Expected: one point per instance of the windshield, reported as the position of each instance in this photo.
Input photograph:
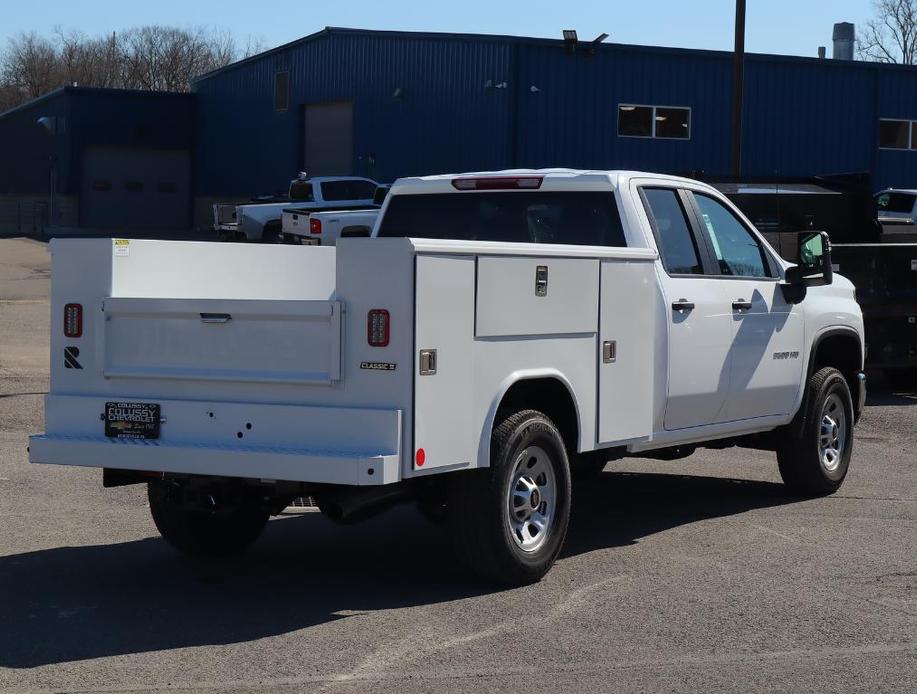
(301, 191)
(581, 218)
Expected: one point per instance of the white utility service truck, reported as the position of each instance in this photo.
(498, 332)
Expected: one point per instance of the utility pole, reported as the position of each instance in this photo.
(738, 88)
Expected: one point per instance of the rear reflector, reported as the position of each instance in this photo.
(503, 183)
(377, 328)
(315, 226)
(73, 320)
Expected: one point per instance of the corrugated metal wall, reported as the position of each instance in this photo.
(801, 116)
(86, 117)
(445, 119)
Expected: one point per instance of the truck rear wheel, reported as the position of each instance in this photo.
(272, 233)
(224, 529)
(814, 452)
(508, 522)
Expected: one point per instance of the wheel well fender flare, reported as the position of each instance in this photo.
(501, 391)
(822, 335)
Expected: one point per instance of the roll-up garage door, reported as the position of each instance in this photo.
(135, 188)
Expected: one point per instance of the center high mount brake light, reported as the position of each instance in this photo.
(501, 183)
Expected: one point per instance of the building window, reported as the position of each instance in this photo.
(894, 134)
(133, 187)
(664, 122)
(101, 185)
(281, 91)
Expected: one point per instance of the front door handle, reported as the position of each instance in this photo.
(741, 305)
(682, 305)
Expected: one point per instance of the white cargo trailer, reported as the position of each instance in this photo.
(498, 331)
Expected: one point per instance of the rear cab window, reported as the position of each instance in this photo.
(333, 191)
(589, 218)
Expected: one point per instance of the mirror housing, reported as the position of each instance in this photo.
(814, 268)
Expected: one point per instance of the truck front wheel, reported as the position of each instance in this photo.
(814, 451)
(508, 522)
(214, 526)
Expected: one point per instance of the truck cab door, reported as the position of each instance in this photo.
(767, 332)
(697, 313)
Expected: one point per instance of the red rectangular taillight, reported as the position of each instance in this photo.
(377, 328)
(73, 320)
(315, 226)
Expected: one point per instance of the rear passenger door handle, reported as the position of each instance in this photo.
(683, 305)
(741, 305)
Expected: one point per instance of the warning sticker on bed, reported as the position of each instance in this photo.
(122, 246)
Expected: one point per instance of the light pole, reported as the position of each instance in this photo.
(49, 123)
(737, 88)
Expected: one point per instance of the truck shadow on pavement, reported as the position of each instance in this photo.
(74, 603)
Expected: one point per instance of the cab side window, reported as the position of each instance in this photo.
(738, 253)
(673, 234)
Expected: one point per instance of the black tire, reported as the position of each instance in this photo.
(803, 466)
(272, 233)
(201, 533)
(478, 512)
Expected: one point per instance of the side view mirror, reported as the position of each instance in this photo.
(814, 268)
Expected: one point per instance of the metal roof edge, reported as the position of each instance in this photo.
(78, 91)
(33, 101)
(543, 41)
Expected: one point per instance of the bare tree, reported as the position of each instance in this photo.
(891, 35)
(30, 63)
(154, 57)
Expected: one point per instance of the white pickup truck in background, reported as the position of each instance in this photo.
(324, 228)
(262, 221)
(499, 332)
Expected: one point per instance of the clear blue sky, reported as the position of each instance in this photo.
(795, 27)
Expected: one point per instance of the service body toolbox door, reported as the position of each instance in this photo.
(626, 349)
(443, 362)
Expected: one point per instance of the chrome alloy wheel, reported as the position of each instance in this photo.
(832, 433)
(531, 499)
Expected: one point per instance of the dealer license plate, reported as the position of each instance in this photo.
(132, 420)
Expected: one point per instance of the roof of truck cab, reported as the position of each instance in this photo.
(567, 178)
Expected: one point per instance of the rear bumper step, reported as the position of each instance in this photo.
(225, 461)
(299, 443)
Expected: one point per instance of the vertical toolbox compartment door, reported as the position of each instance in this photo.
(444, 324)
(626, 350)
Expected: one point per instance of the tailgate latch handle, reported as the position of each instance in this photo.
(215, 318)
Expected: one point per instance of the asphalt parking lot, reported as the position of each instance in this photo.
(698, 576)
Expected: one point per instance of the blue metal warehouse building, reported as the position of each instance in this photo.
(390, 104)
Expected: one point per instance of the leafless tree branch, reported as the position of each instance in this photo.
(159, 58)
(891, 35)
